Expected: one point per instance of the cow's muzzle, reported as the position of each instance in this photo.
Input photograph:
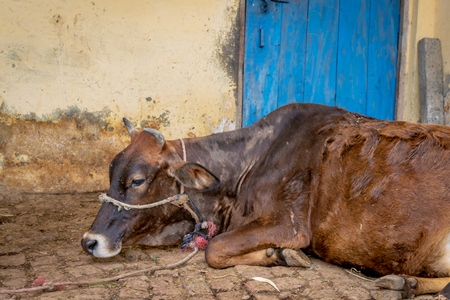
(100, 246)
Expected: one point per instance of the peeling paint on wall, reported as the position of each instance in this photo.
(67, 155)
(70, 71)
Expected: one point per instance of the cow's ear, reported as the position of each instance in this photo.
(193, 175)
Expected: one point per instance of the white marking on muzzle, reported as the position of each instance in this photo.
(103, 248)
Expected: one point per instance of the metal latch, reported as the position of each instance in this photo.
(265, 5)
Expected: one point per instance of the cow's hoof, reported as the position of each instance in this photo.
(270, 252)
(295, 258)
(407, 285)
(391, 282)
(445, 293)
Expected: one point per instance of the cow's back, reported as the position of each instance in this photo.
(383, 192)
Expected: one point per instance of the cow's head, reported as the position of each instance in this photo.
(147, 171)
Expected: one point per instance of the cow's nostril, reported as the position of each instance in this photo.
(89, 246)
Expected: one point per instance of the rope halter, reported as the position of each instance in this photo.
(191, 240)
(179, 199)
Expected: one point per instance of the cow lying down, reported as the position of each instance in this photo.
(351, 190)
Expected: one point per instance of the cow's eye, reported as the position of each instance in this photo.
(137, 182)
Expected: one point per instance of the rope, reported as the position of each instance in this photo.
(183, 147)
(51, 286)
(180, 199)
(193, 214)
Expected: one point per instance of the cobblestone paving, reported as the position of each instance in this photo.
(40, 237)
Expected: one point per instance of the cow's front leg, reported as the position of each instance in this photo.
(257, 246)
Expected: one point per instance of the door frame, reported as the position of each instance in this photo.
(405, 35)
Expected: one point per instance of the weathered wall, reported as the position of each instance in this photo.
(442, 30)
(70, 70)
(422, 19)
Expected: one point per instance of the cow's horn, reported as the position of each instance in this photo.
(130, 128)
(158, 136)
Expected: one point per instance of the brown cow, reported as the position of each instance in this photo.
(352, 190)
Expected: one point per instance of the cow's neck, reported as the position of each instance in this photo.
(238, 157)
(229, 156)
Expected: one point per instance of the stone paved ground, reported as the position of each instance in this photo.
(40, 237)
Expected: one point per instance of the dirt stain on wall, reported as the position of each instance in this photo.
(228, 46)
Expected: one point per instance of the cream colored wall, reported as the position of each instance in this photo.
(442, 30)
(422, 18)
(70, 70)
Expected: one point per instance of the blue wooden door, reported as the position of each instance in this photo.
(341, 53)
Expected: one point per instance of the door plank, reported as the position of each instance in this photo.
(321, 49)
(352, 55)
(261, 59)
(292, 54)
(382, 61)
